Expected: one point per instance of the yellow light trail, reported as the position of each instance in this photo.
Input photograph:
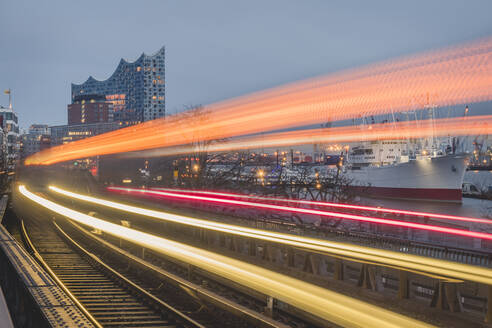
(409, 262)
(333, 307)
(457, 75)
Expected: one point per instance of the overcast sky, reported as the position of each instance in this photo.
(214, 49)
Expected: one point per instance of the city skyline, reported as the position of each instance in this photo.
(246, 164)
(213, 44)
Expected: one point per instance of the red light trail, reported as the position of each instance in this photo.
(458, 232)
(336, 205)
(414, 263)
(321, 303)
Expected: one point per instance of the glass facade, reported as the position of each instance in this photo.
(137, 89)
(10, 127)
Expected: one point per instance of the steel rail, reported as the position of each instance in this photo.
(32, 249)
(257, 319)
(126, 280)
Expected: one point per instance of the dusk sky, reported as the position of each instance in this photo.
(214, 49)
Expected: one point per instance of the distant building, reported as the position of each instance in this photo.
(3, 151)
(44, 142)
(39, 129)
(58, 133)
(10, 127)
(38, 138)
(29, 144)
(136, 89)
(62, 134)
(87, 109)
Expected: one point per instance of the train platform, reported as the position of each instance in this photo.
(34, 298)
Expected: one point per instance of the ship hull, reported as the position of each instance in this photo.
(431, 179)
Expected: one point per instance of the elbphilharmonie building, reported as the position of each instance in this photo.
(136, 89)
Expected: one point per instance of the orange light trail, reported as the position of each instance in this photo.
(479, 125)
(457, 75)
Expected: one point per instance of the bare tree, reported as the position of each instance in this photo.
(192, 168)
(245, 171)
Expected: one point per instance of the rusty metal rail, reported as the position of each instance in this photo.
(104, 295)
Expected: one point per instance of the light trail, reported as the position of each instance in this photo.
(329, 204)
(403, 261)
(405, 224)
(333, 307)
(478, 125)
(462, 74)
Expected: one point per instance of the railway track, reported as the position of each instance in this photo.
(214, 302)
(108, 298)
(189, 276)
(115, 288)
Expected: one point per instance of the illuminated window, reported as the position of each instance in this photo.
(139, 68)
